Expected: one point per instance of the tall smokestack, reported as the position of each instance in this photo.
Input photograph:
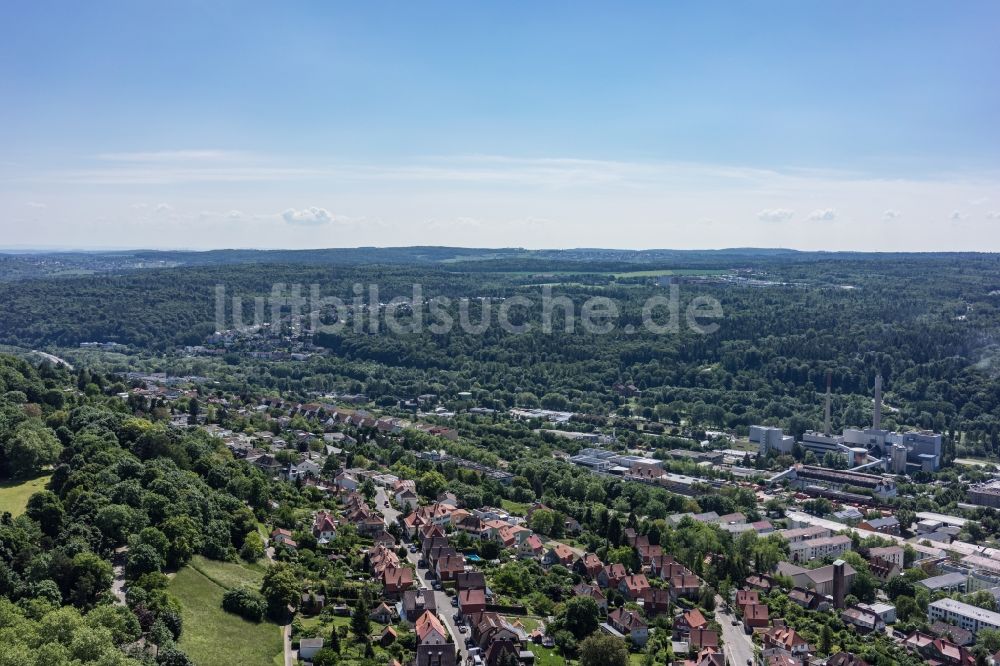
(877, 415)
(826, 421)
(839, 587)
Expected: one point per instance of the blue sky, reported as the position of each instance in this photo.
(811, 125)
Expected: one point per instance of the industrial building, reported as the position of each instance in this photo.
(901, 452)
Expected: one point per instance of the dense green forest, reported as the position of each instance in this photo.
(927, 323)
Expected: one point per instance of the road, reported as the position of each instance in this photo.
(738, 646)
(445, 609)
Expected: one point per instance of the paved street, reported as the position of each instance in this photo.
(738, 646)
(445, 609)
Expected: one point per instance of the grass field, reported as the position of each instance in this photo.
(546, 656)
(213, 636)
(14, 495)
(516, 508)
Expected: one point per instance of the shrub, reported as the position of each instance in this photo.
(245, 602)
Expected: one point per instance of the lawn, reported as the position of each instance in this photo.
(14, 495)
(515, 508)
(211, 635)
(546, 656)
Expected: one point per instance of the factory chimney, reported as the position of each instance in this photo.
(826, 421)
(877, 415)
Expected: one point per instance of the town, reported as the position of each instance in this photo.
(816, 556)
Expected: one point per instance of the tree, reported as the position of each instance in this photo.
(32, 447)
(542, 521)
(245, 602)
(45, 508)
(989, 639)
(430, 484)
(326, 657)
(603, 650)
(580, 616)
(280, 588)
(826, 639)
(142, 559)
(565, 643)
(253, 547)
(91, 577)
(334, 639)
(360, 624)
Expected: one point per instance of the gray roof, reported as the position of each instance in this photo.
(944, 581)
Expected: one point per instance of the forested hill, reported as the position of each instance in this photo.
(30, 265)
(110, 479)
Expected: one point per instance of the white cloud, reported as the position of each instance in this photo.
(164, 208)
(890, 214)
(775, 214)
(823, 215)
(235, 215)
(956, 215)
(993, 215)
(36, 204)
(312, 215)
(170, 156)
(978, 201)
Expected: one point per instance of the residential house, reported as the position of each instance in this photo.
(689, 621)
(894, 554)
(397, 580)
(558, 554)
(883, 569)
(633, 586)
(630, 624)
(415, 602)
(756, 616)
(808, 599)
(383, 614)
(592, 591)
(471, 601)
(430, 631)
(655, 601)
(687, 586)
(956, 635)
(706, 657)
(531, 548)
(784, 640)
(406, 499)
(450, 566)
(813, 549)
(862, 619)
(888, 525)
(308, 647)
(761, 583)
(746, 597)
(611, 575)
(470, 580)
(588, 566)
(846, 659)
(345, 482)
(939, 650)
(648, 552)
(701, 638)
